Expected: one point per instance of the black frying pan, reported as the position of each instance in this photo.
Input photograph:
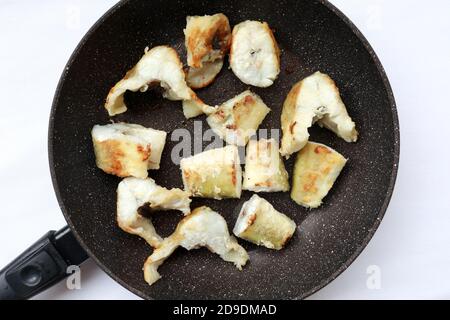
(313, 35)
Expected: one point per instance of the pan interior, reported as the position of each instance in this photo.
(311, 37)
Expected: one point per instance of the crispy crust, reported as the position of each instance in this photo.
(200, 33)
(260, 223)
(237, 119)
(127, 149)
(109, 157)
(213, 173)
(288, 120)
(316, 169)
(122, 159)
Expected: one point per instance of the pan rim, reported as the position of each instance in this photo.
(344, 265)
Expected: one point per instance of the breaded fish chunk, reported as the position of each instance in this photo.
(260, 223)
(314, 99)
(207, 41)
(254, 54)
(214, 173)
(125, 149)
(202, 228)
(133, 193)
(264, 167)
(237, 119)
(316, 169)
(159, 65)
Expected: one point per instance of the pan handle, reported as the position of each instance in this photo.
(42, 265)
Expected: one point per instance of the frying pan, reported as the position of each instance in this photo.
(312, 35)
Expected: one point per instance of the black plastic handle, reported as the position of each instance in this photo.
(41, 266)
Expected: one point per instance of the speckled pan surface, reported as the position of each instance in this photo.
(312, 36)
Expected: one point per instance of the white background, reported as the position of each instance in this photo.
(411, 37)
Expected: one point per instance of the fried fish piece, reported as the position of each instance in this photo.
(125, 149)
(314, 99)
(264, 167)
(237, 119)
(202, 34)
(133, 193)
(214, 173)
(260, 223)
(316, 169)
(201, 77)
(254, 54)
(202, 228)
(160, 65)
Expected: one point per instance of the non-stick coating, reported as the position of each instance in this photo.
(312, 36)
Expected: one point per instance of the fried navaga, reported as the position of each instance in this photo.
(126, 149)
(254, 54)
(314, 99)
(237, 119)
(213, 173)
(260, 223)
(205, 61)
(316, 169)
(160, 65)
(133, 193)
(264, 167)
(202, 228)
